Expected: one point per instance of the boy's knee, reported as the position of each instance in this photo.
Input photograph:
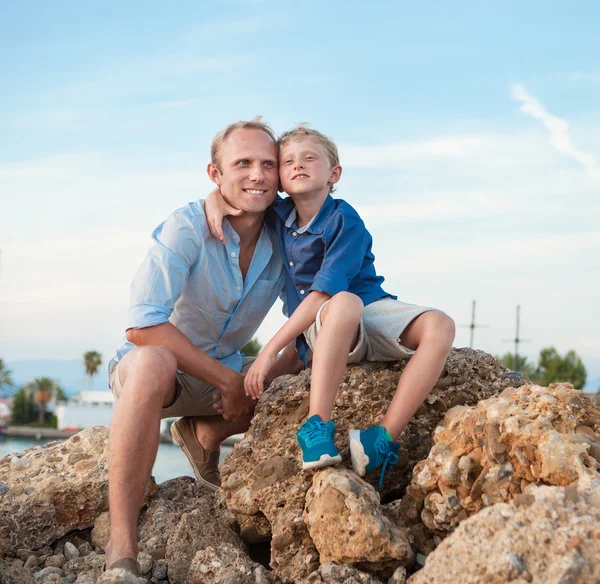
(346, 305)
(444, 328)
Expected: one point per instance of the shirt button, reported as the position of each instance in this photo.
(295, 233)
(238, 288)
(291, 263)
(232, 254)
(301, 291)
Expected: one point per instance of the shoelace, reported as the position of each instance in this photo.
(313, 431)
(389, 459)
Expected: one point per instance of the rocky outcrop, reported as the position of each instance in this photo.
(548, 534)
(227, 564)
(490, 453)
(196, 530)
(347, 525)
(263, 483)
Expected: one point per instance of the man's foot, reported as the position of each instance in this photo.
(371, 449)
(128, 564)
(316, 441)
(204, 462)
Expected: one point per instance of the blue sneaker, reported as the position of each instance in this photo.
(371, 449)
(316, 440)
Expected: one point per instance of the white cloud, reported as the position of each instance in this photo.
(559, 130)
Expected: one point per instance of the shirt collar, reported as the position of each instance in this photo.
(284, 208)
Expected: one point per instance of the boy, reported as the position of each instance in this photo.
(338, 309)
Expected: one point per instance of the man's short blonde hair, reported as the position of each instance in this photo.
(255, 123)
(301, 131)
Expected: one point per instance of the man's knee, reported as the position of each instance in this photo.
(344, 305)
(156, 366)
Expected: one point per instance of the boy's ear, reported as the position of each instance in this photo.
(336, 174)
(214, 173)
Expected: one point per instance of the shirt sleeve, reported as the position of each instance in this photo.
(162, 276)
(346, 243)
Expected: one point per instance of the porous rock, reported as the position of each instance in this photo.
(52, 489)
(204, 526)
(489, 453)
(330, 573)
(227, 564)
(347, 525)
(549, 535)
(14, 574)
(118, 576)
(263, 482)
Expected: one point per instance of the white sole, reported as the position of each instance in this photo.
(325, 460)
(357, 453)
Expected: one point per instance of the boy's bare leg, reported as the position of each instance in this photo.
(339, 331)
(148, 375)
(431, 335)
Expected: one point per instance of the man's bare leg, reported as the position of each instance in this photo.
(431, 335)
(148, 376)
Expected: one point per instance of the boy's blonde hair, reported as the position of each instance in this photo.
(301, 131)
(255, 123)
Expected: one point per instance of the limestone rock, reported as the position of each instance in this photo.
(263, 483)
(227, 564)
(204, 526)
(489, 453)
(331, 573)
(101, 531)
(549, 535)
(118, 576)
(50, 490)
(14, 574)
(347, 526)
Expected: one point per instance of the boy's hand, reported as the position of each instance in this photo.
(258, 374)
(215, 208)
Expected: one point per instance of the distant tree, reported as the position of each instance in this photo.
(43, 390)
(23, 409)
(552, 367)
(508, 360)
(251, 348)
(5, 375)
(91, 361)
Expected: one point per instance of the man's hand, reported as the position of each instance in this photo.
(259, 374)
(232, 402)
(215, 208)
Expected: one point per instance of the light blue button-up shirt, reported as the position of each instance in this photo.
(192, 280)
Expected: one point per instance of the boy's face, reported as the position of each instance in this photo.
(304, 168)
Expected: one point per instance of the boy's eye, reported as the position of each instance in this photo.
(287, 161)
(310, 158)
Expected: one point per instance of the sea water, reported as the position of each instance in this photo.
(170, 460)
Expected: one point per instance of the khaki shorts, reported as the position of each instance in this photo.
(193, 397)
(379, 333)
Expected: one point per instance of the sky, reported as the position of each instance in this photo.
(469, 135)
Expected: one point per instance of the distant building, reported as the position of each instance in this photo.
(86, 409)
(4, 408)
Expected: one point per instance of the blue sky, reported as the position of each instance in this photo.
(469, 134)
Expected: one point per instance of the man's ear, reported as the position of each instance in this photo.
(214, 173)
(336, 174)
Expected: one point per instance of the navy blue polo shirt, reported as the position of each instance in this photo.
(331, 254)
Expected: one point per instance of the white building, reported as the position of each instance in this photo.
(87, 409)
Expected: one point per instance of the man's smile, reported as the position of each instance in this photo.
(255, 191)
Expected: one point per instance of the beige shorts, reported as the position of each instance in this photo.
(193, 397)
(379, 333)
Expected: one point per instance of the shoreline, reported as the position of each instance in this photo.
(50, 433)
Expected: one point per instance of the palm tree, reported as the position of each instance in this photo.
(5, 375)
(91, 361)
(43, 389)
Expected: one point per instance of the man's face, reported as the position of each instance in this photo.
(249, 176)
(305, 168)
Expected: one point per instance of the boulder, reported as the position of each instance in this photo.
(263, 482)
(330, 573)
(49, 490)
(548, 534)
(206, 525)
(347, 525)
(227, 564)
(491, 452)
(13, 572)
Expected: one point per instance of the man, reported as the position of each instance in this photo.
(194, 304)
